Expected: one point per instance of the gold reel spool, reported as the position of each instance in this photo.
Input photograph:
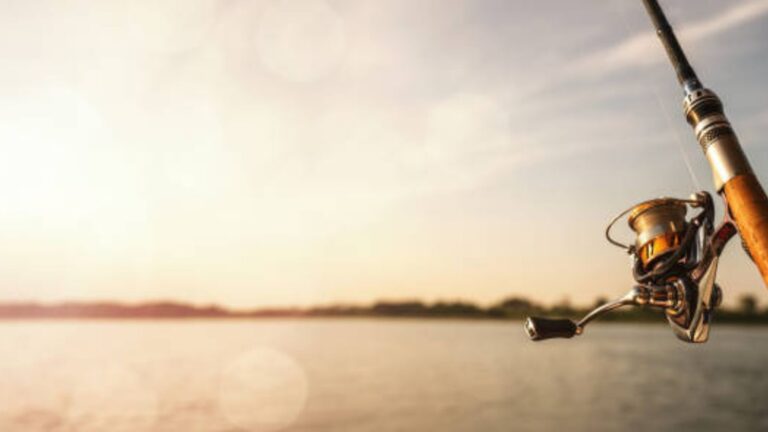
(660, 225)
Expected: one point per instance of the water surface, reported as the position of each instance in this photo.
(375, 375)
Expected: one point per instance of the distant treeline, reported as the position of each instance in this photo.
(514, 308)
(518, 308)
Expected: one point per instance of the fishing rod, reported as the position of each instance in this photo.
(674, 257)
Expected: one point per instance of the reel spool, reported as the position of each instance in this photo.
(659, 225)
(665, 243)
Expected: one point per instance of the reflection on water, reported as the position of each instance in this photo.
(374, 375)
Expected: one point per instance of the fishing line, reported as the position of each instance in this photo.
(678, 140)
(667, 117)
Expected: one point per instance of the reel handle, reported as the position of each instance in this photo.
(539, 328)
(544, 328)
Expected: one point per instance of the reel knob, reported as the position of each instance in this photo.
(544, 328)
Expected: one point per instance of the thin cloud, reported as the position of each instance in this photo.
(643, 50)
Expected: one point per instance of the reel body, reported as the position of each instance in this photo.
(674, 264)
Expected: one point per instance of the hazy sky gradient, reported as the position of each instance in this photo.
(256, 153)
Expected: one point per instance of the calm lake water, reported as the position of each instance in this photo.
(375, 375)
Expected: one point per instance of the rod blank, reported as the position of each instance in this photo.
(685, 73)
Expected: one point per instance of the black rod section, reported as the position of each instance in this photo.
(685, 74)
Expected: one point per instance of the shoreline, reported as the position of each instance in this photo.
(190, 319)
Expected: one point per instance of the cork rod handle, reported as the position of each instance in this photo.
(749, 207)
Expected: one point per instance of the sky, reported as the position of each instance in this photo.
(300, 152)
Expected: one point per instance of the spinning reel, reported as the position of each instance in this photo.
(674, 265)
